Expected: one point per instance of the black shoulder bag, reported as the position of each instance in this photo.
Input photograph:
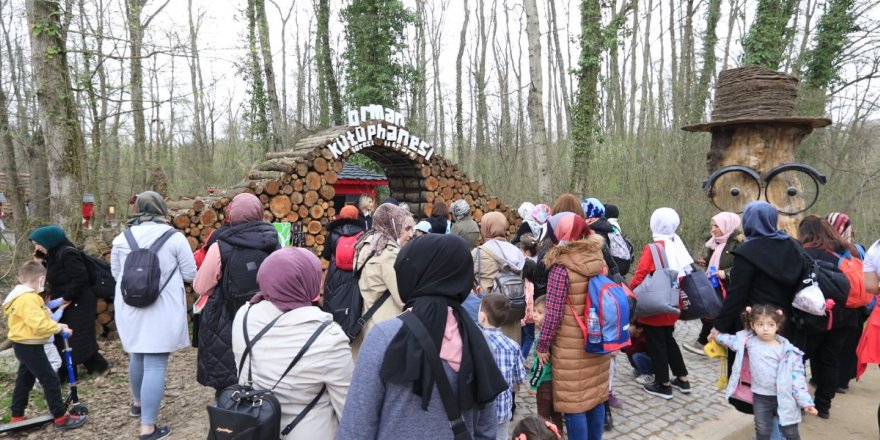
(453, 411)
(243, 412)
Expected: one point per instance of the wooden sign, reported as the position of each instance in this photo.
(390, 133)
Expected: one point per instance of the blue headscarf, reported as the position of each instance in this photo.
(593, 208)
(760, 220)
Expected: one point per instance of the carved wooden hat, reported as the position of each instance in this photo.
(755, 94)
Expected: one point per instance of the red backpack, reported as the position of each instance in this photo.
(853, 268)
(345, 251)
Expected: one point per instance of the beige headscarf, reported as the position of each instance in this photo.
(389, 221)
(494, 226)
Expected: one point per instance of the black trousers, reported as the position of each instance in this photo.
(703, 337)
(33, 365)
(664, 352)
(848, 359)
(95, 364)
(824, 350)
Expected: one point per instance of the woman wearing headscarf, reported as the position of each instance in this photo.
(848, 360)
(150, 334)
(580, 379)
(594, 214)
(229, 277)
(376, 252)
(290, 281)
(346, 225)
(529, 225)
(465, 226)
(490, 257)
(67, 276)
(726, 237)
(825, 349)
(393, 391)
(658, 330)
(767, 269)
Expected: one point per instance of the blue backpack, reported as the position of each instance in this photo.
(606, 317)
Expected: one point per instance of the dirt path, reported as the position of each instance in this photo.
(108, 399)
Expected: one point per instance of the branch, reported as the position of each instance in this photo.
(146, 22)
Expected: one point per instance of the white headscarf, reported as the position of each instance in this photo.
(664, 223)
(525, 213)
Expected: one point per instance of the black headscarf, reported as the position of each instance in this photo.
(435, 272)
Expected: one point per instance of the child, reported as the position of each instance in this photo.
(536, 428)
(540, 377)
(493, 312)
(30, 326)
(777, 369)
(637, 353)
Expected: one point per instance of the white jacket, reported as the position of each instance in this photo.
(327, 362)
(162, 326)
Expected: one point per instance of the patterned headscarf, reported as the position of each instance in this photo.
(541, 213)
(593, 208)
(568, 226)
(460, 209)
(843, 224)
(389, 221)
(149, 207)
(525, 213)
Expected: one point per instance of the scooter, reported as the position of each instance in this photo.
(72, 402)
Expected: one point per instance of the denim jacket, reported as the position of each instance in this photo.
(791, 383)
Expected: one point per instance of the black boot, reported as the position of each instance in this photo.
(609, 420)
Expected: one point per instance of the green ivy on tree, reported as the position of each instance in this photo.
(375, 70)
(823, 61)
(769, 35)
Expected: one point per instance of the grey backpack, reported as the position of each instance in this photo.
(659, 293)
(508, 282)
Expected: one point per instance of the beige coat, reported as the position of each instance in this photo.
(486, 268)
(377, 277)
(580, 379)
(327, 362)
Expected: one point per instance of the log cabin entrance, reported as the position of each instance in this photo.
(298, 186)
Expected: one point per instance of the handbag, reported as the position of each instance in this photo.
(450, 404)
(658, 294)
(698, 298)
(244, 412)
(742, 396)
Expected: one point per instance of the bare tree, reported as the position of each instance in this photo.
(535, 106)
(197, 87)
(284, 19)
(58, 115)
(459, 103)
(269, 71)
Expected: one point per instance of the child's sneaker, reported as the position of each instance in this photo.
(682, 386)
(645, 379)
(68, 422)
(655, 389)
(614, 402)
(17, 419)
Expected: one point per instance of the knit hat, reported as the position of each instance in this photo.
(612, 211)
(460, 209)
(593, 208)
(49, 237)
(349, 212)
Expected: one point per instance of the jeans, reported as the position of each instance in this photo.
(642, 362)
(765, 409)
(586, 425)
(502, 433)
(146, 372)
(33, 365)
(528, 337)
(665, 353)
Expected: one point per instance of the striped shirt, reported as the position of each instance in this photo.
(508, 356)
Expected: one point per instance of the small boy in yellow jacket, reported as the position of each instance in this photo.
(30, 326)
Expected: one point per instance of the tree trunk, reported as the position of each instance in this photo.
(536, 99)
(58, 115)
(701, 91)
(133, 9)
(10, 167)
(765, 43)
(584, 127)
(269, 70)
(459, 104)
(195, 72)
(482, 111)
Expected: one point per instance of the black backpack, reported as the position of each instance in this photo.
(243, 412)
(346, 304)
(240, 266)
(100, 276)
(142, 273)
(508, 282)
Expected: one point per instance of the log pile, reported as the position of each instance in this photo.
(297, 186)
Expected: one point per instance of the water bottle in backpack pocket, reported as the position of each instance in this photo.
(606, 317)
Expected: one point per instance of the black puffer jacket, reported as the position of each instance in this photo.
(439, 225)
(216, 363)
(338, 228)
(68, 276)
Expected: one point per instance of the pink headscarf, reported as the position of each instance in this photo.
(245, 208)
(728, 223)
(290, 278)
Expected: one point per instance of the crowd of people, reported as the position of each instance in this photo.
(438, 339)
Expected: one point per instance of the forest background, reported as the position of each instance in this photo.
(531, 97)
